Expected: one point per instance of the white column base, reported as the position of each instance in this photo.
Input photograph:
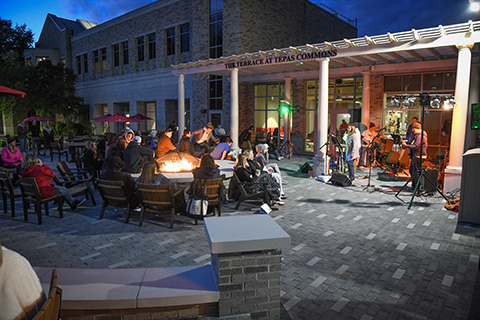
(453, 179)
(319, 165)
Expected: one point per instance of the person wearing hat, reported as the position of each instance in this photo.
(245, 138)
(165, 144)
(203, 137)
(416, 154)
(21, 294)
(136, 155)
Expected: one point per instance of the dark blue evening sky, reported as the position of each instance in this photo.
(374, 16)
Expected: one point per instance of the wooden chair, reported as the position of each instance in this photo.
(31, 194)
(72, 178)
(244, 196)
(158, 199)
(114, 194)
(212, 189)
(51, 308)
(78, 189)
(57, 147)
(8, 191)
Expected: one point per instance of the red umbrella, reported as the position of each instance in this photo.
(37, 118)
(120, 118)
(140, 116)
(7, 92)
(103, 118)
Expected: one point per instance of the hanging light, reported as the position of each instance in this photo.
(435, 103)
(449, 103)
(408, 103)
(394, 103)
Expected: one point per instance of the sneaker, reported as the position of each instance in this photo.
(283, 196)
(280, 203)
(280, 158)
(284, 182)
(77, 203)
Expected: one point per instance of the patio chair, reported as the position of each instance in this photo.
(114, 194)
(158, 199)
(51, 308)
(57, 148)
(244, 196)
(212, 188)
(8, 191)
(82, 188)
(31, 194)
(72, 177)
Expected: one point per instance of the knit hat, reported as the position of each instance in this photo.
(137, 139)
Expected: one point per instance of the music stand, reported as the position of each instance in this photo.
(420, 173)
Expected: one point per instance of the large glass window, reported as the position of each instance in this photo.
(116, 55)
(267, 101)
(125, 52)
(170, 38)
(95, 60)
(79, 65)
(216, 28)
(152, 46)
(140, 49)
(185, 38)
(215, 89)
(85, 63)
(104, 58)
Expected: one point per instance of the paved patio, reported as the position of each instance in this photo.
(355, 254)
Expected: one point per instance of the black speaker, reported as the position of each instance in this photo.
(340, 179)
(431, 184)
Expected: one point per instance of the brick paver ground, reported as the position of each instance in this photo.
(355, 254)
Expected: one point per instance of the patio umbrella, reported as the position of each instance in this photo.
(7, 92)
(103, 118)
(120, 118)
(140, 116)
(37, 118)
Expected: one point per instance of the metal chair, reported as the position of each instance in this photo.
(57, 147)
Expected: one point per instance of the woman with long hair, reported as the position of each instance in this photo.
(91, 160)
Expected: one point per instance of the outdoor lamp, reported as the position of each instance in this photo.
(407, 103)
(435, 103)
(449, 103)
(394, 103)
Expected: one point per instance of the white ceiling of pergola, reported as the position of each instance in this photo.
(432, 44)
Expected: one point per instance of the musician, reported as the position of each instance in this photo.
(367, 137)
(416, 154)
(409, 135)
(352, 150)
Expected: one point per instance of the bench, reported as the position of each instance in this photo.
(127, 291)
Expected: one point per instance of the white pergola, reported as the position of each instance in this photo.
(442, 47)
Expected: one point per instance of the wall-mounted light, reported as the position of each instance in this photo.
(394, 103)
(449, 103)
(435, 103)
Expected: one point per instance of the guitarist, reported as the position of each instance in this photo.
(416, 154)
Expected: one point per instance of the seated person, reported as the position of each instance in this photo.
(244, 140)
(259, 163)
(12, 157)
(151, 175)
(113, 173)
(255, 179)
(33, 167)
(219, 131)
(207, 170)
(165, 144)
(186, 144)
(21, 294)
(202, 138)
(136, 155)
(221, 150)
(91, 160)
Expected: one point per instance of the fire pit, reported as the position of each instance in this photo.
(177, 162)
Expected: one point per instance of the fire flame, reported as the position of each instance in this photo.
(177, 166)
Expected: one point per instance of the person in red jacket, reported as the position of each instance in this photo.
(33, 167)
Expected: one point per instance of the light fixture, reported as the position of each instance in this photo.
(474, 6)
(449, 103)
(435, 103)
(394, 103)
(408, 103)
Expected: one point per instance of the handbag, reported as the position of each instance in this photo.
(198, 203)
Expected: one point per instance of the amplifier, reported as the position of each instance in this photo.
(431, 184)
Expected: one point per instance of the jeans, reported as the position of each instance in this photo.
(414, 172)
(351, 169)
(64, 192)
(23, 144)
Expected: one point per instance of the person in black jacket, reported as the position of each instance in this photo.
(136, 155)
(91, 160)
(207, 170)
(113, 173)
(186, 144)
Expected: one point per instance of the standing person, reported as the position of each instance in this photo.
(416, 154)
(22, 136)
(221, 150)
(34, 168)
(35, 131)
(244, 139)
(48, 134)
(136, 155)
(203, 137)
(165, 144)
(367, 137)
(186, 144)
(21, 294)
(343, 126)
(410, 135)
(352, 150)
(219, 131)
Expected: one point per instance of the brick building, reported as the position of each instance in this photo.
(123, 65)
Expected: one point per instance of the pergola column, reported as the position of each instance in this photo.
(234, 108)
(320, 160)
(453, 171)
(286, 117)
(366, 98)
(181, 104)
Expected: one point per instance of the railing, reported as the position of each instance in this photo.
(353, 22)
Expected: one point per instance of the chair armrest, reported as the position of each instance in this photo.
(179, 191)
(74, 179)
